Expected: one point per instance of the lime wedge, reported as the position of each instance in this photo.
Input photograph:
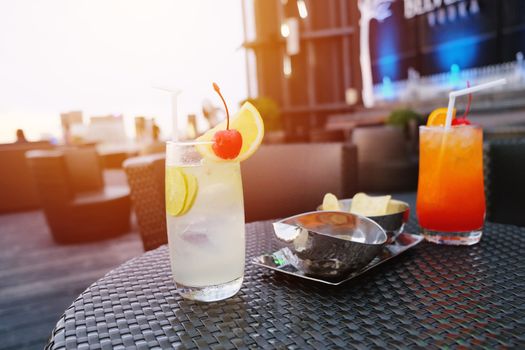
(176, 190)
(192, 187)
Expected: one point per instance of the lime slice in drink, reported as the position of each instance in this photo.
(192, 187)
(176, 190)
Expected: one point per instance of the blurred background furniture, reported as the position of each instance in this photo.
(278, 180)
(287, 179)
(385, 164)
(324, 135)
(77, 205)
(146, 181)
(504, 132)
(113, 160)
(504, 180)
(113, 155)
(17, 187)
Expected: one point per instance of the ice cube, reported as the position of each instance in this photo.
(197, 238)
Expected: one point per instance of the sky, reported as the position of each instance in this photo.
(105, 56)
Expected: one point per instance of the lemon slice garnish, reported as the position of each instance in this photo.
(248, 122)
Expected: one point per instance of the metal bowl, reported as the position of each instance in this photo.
(330, 244)
(393, 222)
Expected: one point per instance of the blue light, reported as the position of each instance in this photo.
(387, 89)
(454, 75)
(387, 44)
(461, 52)
(387, 65)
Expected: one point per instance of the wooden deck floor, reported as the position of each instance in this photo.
(39, 279)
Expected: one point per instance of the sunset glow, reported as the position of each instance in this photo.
(104, 58)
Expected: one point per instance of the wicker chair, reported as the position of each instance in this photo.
(77, 205)
(278, 180)
(504, 180)
(146, 180)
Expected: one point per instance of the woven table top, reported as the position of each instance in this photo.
(432, 296)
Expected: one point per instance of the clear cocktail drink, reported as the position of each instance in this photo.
(205, 219)
(450, 197)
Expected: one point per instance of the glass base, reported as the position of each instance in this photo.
(453, 238)
(210, 293)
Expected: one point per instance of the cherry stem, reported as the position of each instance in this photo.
(217, 90)
(467, 110)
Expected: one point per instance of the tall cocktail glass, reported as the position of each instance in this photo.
(205, 220)
(450, 196)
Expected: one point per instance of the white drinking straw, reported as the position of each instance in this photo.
(175, 115)
(174, 111)
(452, 97)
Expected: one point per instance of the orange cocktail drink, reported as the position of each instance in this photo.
(451, 198)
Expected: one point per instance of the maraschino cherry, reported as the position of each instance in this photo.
(226, 143)
(463, 119)
(460, 121)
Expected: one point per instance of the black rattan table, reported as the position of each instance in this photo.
(431, 297)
